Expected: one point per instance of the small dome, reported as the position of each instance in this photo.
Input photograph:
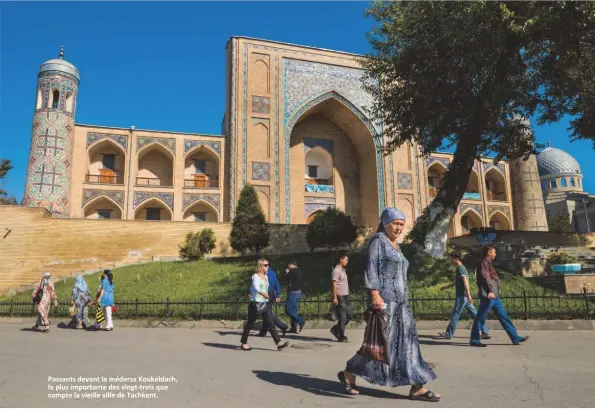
(60, 64)
(554, 161)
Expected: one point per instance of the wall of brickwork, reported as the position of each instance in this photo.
(34, 242)
(575, 283)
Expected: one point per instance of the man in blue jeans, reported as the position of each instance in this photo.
(488, 284)
(463, 300)
(294, 295)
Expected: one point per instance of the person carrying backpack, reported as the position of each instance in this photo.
(43, 294)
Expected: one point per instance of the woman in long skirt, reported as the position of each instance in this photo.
(386, 281)
(43, 306)
(81, 298)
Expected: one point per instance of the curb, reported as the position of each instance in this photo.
(528, 325)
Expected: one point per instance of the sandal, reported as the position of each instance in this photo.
(444, 335)
(245, 349)
(282, 345)
(429, 396)
(485, 336)
(349, 389)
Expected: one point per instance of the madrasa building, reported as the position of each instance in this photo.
(295, 127)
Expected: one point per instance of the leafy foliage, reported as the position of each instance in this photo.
(5, 166)
(560, 257)
(249, 231)
(198, 244)
(467, 74)
(559, 222)
(331, 228)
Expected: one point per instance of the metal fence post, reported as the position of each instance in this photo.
(525, 304)
(167, 311)
(10, 309)
(318, 302)
(586, 303)
(136, 308)
(200, 309)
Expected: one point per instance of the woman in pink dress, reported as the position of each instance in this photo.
(43, 305)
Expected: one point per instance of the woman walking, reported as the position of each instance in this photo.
(386, 281)
(47, 293)
(259, 306)
(106, 298)
(80, 299)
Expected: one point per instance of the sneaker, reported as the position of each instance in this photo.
(282, 345)
(284, 331)
(477, 344)
(301, 327)
(521, 340)
(344, 339)
(335, 332)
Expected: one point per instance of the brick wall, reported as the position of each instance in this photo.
(37, 242)
(576, 282)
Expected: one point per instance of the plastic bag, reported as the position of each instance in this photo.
(375, 344)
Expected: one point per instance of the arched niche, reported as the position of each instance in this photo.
(69, 101)
(319, 166)
(102, 207)
(499, 221)
(470, 220)
(201, 211)
(495, 185)
(201, 168)
(106, 163)
(313, 216)
(473, 183)
(155, 166)
(435, 177)
(153, 209)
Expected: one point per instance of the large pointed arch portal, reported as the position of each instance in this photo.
(358, 160)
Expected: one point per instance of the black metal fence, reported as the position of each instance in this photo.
(525, 306)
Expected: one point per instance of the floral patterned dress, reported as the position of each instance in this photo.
(386, 271)
(43, 308)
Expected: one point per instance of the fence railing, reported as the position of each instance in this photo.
(525, 306)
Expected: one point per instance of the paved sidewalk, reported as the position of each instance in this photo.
(553, 369)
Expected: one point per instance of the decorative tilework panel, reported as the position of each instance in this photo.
(502, 209)
(191, 198)
(315, 199)
(60, 81)
(310, 143)
(169, 143)
(116, 195)
(472, 196)
(277, 187)
(310, 208)
(233, 133)
(490, 165)
(405, 180)
(432, 159)
(190, 144)
(261, 105)
(167, 198)
(476, 207)
(305, 80)
(121, 140)
(320, 188)
(261, 171)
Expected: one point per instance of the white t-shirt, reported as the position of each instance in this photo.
(259, 284)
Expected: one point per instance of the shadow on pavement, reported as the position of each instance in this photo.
(29, 329)
(233, 347)
(318, 386)
(292, 337)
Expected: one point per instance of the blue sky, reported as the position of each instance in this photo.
(162, 66)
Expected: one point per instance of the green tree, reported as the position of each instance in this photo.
(5, 166)
(198, 244)
(331, 228)
(559, 222)
(466, 74)
(249, 230)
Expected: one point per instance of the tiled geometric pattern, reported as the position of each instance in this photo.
(377, 139)
(471, 196)
(502, 209)
(261, 105)
(310, 143)
(554, 161)
(310, 208)
(116, 195)
(527, 199)
(323, 200)
(260, 171)
(233, 133)
(304, 80)
(50, 160)
(414, 151)
(61, 81)
(93, 137)
(464, 206)
(490, 165)
(277, 187)
(190, 144)
(320, 188)
(433, 159)
(191, 198)
(140, 197)
(405, 180)
(169, 143)
(245, 121)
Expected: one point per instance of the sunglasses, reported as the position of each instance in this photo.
(265, 265)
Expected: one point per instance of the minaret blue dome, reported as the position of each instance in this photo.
(553, 161)
(60, 65)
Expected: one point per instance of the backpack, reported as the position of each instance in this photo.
(38, 295)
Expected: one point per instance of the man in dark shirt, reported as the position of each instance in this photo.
(294, 295)
(488, 284)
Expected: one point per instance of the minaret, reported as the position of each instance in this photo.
(50, 158)
(527, 199)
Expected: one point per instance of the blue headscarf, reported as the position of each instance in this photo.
(81, 284)
(388, 215)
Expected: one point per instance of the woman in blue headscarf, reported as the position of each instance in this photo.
(80, 298)
(386, 282)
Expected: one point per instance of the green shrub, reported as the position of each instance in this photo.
(198, 244)
(560, 257)
(249, 230)
(331, 228)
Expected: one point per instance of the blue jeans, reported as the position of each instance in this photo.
(485, 306)
(291, 308)
(461, 303)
